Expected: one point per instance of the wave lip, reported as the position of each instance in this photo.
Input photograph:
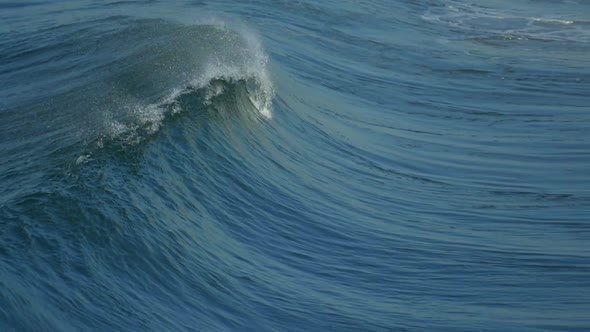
(234, 59)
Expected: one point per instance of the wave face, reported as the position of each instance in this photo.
(288, 166)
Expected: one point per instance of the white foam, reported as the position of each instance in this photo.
(498, 21)
(83, 159)
(248, 62)
(554, 21)
(243, 60)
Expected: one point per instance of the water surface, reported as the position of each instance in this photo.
(295, 165)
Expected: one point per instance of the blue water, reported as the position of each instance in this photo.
(295, 165)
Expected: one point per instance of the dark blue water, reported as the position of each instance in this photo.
(295, 165)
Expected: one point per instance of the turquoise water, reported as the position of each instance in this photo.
(295, 165)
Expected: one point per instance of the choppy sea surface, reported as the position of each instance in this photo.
(364, 165)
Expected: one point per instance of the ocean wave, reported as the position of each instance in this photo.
(168, 173)
(233, 65)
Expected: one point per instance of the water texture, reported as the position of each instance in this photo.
(295, 165)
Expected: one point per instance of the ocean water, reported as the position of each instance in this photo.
(370, 165)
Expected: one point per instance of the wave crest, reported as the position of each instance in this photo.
(234, 59)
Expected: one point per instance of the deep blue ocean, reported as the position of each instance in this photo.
(370, 165)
